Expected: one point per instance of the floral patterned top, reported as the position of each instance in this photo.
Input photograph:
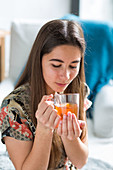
(16, 122)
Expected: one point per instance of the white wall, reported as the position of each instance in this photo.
(32, 9)
(29, 9)
(96, 10)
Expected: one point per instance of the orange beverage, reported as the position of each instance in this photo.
(65, 108)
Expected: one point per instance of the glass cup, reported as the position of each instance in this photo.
(67, 102)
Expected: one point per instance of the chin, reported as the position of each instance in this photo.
(60, 90)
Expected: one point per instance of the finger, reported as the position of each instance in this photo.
(59, 129)
(49, 102)
(46, 115)
(46, 98)
(76, 126)
(82, 124)
(64, 125)
(70, 126)
(57, 121)
(41, 109)
(52, 118)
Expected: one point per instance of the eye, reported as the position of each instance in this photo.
(56, 65)
(73, 67)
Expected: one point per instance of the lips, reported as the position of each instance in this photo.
(62, 84)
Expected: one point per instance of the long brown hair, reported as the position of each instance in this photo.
(52, 34)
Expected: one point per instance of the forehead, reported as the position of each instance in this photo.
(64, 52)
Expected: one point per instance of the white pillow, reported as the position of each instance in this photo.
(23, 34)
(6, 87)
(103, 112)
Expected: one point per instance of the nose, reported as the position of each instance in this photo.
(65, 74)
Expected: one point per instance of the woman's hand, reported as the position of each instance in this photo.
(70, 127)
(46, 114)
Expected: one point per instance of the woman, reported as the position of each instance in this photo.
(55, 64)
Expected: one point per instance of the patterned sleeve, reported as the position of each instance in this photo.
(87, 104)
(13, 124)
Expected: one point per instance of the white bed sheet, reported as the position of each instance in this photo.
(99, 148)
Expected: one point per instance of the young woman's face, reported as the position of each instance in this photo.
(60, 67)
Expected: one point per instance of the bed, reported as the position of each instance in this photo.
(100, 134)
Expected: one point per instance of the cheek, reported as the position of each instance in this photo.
(74, 73)
(48, 74)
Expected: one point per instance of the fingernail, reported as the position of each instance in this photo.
(64, 116)
(69, 113)
(73, 115)
(83, 123)
(50, 95)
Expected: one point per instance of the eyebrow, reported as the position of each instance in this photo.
(76, 61)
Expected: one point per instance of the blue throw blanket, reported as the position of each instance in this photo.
(99, 53)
